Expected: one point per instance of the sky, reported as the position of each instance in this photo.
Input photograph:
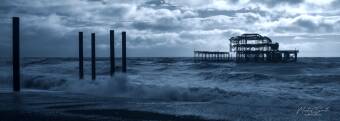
(169, 28)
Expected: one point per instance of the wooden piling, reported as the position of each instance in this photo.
(93, 55)
(16, 53)
(112, 52)
(81, 56)
(124, 52)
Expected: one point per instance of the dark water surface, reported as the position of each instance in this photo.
(178, 86)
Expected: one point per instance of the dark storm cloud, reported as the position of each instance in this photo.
(163, 24)
(169, 24)
(273, 3)
(215, 12)
(159, 4)
(336, 4)
(309, 26)
(156, 2)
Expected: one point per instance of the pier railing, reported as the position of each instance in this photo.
(211, 56)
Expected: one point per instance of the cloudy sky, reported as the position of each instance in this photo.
(170, 27)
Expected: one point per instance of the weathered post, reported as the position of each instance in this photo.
(124, 52)
(16, 53)
(93, 55)
(112, 52)
(81, 56)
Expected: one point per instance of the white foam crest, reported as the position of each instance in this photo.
(120, 87)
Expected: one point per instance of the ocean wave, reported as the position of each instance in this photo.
(119, 86)
(177, 79)
(43, 82)
(314, 79)
(234, 76)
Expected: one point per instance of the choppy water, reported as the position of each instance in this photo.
(180, 79)
(308, 78)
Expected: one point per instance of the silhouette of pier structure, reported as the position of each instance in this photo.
(212, 56)
(81, 56)
(258, 48)
(124, 52)
(93, 56)
(249, 48)
(16, 53)
(112, 53)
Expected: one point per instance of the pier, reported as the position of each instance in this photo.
(258, 48)
(249, 48)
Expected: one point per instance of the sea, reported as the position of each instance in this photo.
(308, 89)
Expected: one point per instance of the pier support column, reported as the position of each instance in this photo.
(112, 52)
(208, 57)
(217, 57)
(81, 56)
(196, 57)
(16, 53)
(224, 57)
(93, 55)
(124, 52)
(228, 57)
(237, 57)
(202, 56)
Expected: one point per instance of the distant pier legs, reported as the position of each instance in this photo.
(81, 56)
(93, 55)
(16, 53)
(213, 56)
(124, 52)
